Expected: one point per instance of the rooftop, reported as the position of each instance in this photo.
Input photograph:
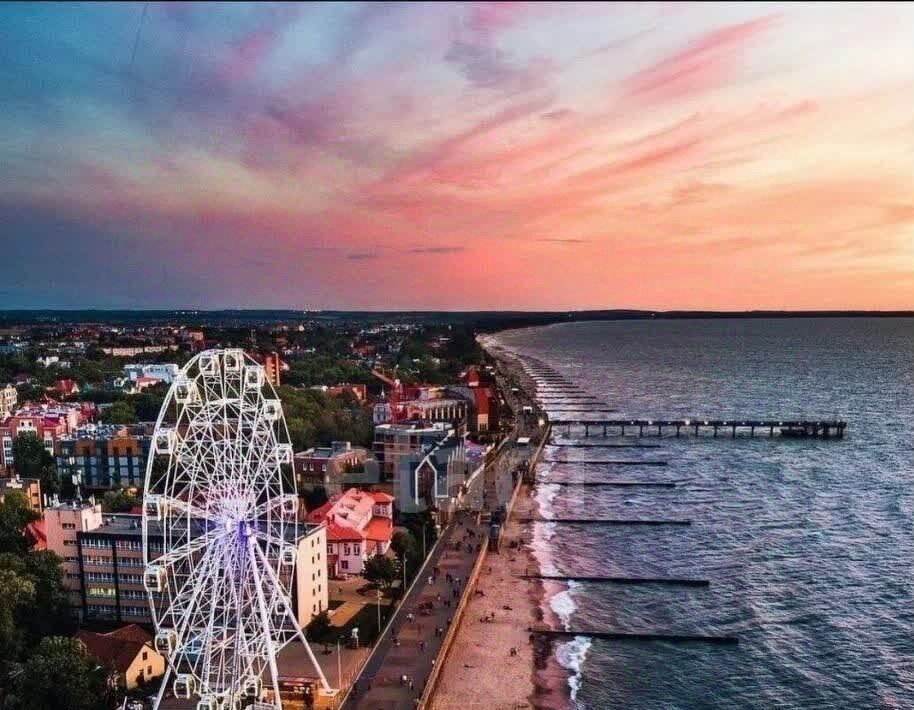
(116, 649)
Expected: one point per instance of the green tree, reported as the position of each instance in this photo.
(148, 403)
(404, 545)
(319, 629)
(59, 674)
(119, 500)
(50, 611)
(15, 515)
(380, 570)
(16, 594)
(121, 412)
(32, 460)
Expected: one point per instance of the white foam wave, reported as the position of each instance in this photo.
(563, 603)
(571, 656)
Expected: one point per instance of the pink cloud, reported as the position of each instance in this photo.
(703, 65)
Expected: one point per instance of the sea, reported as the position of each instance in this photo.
(808, 544)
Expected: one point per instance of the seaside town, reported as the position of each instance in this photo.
(409, 443)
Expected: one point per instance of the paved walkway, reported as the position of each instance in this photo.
(413, 639)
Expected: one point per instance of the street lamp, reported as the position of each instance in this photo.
(379, 611)
(339, 664)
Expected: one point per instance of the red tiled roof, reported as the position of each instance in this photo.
(117, 649)
(337, 532)
(379, 529)
(318, 514)
(482, 400)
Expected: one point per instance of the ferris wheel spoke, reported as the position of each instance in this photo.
(184, 550)
(183, 506)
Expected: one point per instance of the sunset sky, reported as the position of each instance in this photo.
(457, 156)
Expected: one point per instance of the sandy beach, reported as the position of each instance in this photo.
(481, 671)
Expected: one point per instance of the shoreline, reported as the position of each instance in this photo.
(481, 673)
(550, 680)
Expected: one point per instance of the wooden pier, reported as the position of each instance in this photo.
(797, 429)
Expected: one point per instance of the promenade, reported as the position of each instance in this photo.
(411, 643)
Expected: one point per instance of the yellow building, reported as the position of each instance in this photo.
(127, 653)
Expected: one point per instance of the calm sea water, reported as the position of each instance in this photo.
(809, 545)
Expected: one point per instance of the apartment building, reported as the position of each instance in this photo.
(335, 467)
(108, 456)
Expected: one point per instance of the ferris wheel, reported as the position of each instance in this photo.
(220, 533)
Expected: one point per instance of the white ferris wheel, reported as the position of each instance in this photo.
(220, 533)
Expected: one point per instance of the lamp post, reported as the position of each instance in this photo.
(379, 611)
(339, 664)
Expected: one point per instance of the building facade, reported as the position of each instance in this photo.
(271, 368)
(8, 398)
(433, 479)
(30, 488)
(49, 422)
(108, 456)
(103, 563)
(127, 652)
(394, 441)
(62, 524)
(163, 372)
(359, 525)
(334, 468)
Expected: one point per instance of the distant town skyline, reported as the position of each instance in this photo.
(527, 156)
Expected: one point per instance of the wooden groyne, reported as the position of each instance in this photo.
(640, 636)
(606, 521)
(795, 429)
(608, 463)
(669, 581)
(617, 484)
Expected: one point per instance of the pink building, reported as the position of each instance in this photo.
(49, 421)
(359, 525)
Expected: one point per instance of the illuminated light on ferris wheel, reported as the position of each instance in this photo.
(220, 497)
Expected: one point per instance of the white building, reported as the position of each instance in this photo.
(359, 525)
(311, 574)
(163, 372)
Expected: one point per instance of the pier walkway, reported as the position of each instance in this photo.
(797, 429)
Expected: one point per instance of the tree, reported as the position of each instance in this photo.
(49, 612)
(147, 404)
(119, 500)
(404, 545)
(16, 593)
(119, 413)
(319, 628)
(32, 460)
(380, 570)
(15, 515)
(58, 674)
